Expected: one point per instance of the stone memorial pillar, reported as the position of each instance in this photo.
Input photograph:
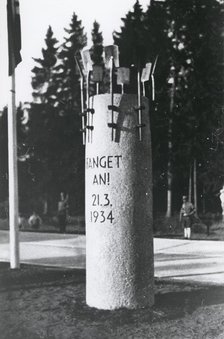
(119, 236)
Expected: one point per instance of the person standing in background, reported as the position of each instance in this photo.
(186, 216)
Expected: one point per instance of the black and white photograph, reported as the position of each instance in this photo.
(112, 169)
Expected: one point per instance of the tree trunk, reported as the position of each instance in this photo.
(190, 185)
(195, 186)
(169, 172)
(170, 147)
(203, 201)
(45, 206)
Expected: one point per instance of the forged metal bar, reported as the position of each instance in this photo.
(81, 71)
(111, 61)
(153, 79)
(88, 65)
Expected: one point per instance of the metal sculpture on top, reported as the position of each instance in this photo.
(88, 70)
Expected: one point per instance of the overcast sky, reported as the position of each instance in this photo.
(37, 15)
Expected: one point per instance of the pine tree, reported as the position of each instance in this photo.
(131, 41)
(187, 36)
(42, 80)
(198, 34)
(70, 167)
(132, 32)
(67, 78)
(97, 47)
(96, 52)
(43, 124)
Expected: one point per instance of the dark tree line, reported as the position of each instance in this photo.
(187, 36)
(186, 116)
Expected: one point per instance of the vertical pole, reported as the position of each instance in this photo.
(87, 104)
(13, 178)
(112, 96)
(97, 88)
(143, 89)
(82, 111)
(153, 88)
(139, 105)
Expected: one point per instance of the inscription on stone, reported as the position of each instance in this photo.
(101, 205)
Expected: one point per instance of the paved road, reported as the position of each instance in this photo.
(189, 260)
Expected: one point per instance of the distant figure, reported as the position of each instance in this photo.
(186, 216)
(34, 220)
(222, 201)
(21, 222)
(62, 212)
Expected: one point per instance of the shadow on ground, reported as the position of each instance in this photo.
(42, 302)
(28, 277)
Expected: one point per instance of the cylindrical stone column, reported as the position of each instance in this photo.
(119, 239)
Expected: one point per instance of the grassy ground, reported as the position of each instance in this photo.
(48, 303)
(207, 227)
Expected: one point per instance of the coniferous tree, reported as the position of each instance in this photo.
(193, 31)
(42, 80)
(70, 168)
(97, 47)
(141, 39)
(133, 51)
(57, 161)
(96, 52)
(132, 43)
(67, 78)
(198, 33)
(189, 63)
(43, 124)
